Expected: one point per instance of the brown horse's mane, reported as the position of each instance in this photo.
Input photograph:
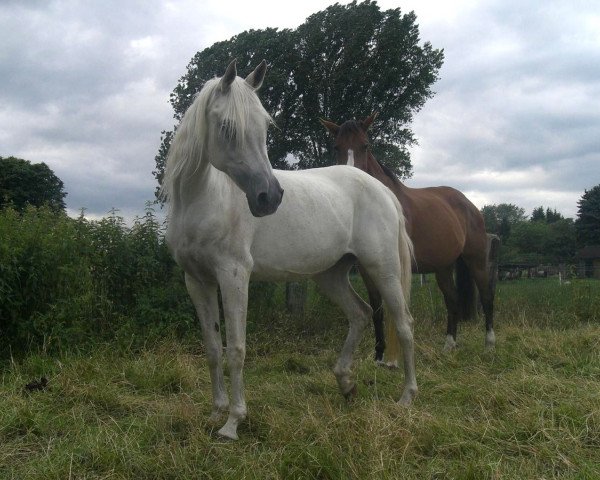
(352, 127)
(387, 171)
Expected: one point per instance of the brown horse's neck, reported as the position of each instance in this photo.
(385, 176)
(401, 191)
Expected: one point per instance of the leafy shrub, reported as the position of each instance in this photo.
(70, 281)
(41, 267)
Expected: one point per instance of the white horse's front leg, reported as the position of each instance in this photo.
(204, 297)
(234, 292)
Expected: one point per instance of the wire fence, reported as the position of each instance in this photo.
(562, 272)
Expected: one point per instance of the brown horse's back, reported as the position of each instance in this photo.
(442, 224)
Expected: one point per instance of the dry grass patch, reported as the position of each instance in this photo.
(531, 409)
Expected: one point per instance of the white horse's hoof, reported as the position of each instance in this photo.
(408, 396)
(351, 394)
(228, 432)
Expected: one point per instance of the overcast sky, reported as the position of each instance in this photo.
(84, 87)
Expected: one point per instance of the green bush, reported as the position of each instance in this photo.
(41, 269)
(67, 282)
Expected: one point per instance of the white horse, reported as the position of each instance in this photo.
(229, 222)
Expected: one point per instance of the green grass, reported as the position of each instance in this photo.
(531, 409)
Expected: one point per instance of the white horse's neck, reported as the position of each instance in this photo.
(205, 186)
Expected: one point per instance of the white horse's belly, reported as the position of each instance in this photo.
(308, 234)
(301, 260)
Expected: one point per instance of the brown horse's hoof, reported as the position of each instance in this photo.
(350, 394)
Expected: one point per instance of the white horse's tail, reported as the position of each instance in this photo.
(406, 252)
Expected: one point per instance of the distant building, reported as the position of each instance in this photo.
(589, 261)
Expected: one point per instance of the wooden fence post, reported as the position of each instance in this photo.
(295, 297)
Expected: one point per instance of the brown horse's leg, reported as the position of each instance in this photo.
(377, 305)
(478, 267)
(445, 280)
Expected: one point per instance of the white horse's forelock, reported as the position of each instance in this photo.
(188, 145)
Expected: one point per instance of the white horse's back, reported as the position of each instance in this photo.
(325, 214)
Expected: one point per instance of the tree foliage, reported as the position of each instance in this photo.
(547, 216)
(347, 60)
(588, 218)
(538, 215)
(69, 281)
(541, 242)
(547, 237)
(23, 183)
(499, 219)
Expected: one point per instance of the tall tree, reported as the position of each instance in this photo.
(588, 218)
(23, 183)
(552, 216)
(542, 242)
(549, 215)
(538, 215)
(347, 60)
(499, 219)
(355, 60)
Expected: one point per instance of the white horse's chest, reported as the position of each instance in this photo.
(206, 243)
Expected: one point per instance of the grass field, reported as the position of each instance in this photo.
(531, 409)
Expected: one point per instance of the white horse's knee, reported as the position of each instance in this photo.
(364, 319)
(213, 355)
(405, 333)
(236, 355)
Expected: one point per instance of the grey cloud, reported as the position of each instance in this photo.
(85, 87)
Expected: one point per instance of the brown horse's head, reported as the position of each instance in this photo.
(351, 143)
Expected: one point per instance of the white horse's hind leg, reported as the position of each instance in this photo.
(335, 284)
(234, 291)
(391, 290)
(204, 297)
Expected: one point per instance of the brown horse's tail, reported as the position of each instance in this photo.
(467, 295)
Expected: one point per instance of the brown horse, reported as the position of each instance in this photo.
(447, 231)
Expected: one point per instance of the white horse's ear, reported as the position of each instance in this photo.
(366, 123)
(256, 78)
(228, 77)
(330, 126)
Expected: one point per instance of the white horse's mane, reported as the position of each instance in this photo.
(188, 145)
